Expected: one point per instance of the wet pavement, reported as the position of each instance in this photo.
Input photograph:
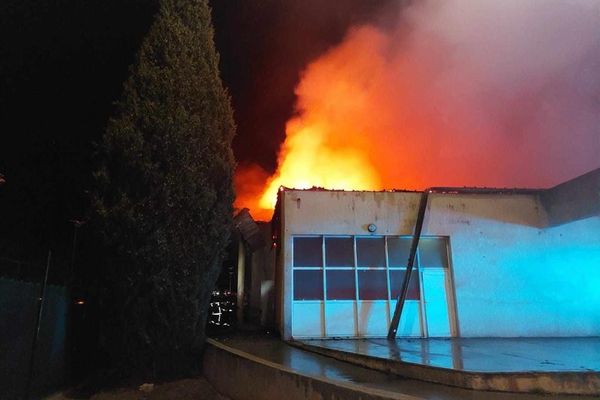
(314, 365)
(480, 354)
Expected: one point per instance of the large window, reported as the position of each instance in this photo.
(361, 268)
(347, 286)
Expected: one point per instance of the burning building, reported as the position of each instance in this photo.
(474, 96)
(490, 262)
(483, 94)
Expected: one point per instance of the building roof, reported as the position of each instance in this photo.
(572, 200)
(249, 229)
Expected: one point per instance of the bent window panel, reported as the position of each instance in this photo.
(370, 252)
(339, 252)
(396, 281)
(341, 285)
(308, 284)
(372, 285)
(399, 251)
(432, 253)
(308, 252)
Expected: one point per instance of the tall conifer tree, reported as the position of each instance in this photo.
(164, 198)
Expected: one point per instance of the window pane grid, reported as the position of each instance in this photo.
(324, 282)
(308, 285)
(387, 270)
(345, 274)
(367, 257)
(307, 251)
(370, 252)
(339, 252)
(433, 252)
(341, 285)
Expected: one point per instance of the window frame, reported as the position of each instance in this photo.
(356, 301)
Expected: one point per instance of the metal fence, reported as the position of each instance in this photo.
(33, 323)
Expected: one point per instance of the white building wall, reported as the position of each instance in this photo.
(513, 275)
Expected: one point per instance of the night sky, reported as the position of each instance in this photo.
(62, 66)
(264, 45)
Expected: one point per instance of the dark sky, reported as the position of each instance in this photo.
(62, 66)
(264, 44)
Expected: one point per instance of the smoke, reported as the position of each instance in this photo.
(456, 92)
(249, 182)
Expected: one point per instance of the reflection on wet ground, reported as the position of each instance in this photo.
(310, 364)
(481, 354)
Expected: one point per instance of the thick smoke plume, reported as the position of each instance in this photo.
(457, 92)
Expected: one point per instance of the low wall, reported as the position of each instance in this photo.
(563, 383)
(242, 376)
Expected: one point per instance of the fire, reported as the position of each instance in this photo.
(308, 160)
(427, 103)
(323, 147)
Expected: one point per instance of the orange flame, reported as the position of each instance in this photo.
(308, 160)
(433, 106)
(324, 148)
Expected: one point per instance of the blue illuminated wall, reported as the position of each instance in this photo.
(517, 277)
(525, 265)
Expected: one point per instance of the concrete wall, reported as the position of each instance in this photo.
(573, 200)
(243, 376)
(513, 274)
(262, 288)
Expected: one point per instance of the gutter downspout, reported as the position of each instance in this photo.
(417, 235)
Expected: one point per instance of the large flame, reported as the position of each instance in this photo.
(309, 160)
(493, 95)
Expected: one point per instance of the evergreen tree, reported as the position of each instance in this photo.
(164, 197)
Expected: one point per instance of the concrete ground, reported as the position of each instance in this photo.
(481, 354)
(280, 356)
(182, 389)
